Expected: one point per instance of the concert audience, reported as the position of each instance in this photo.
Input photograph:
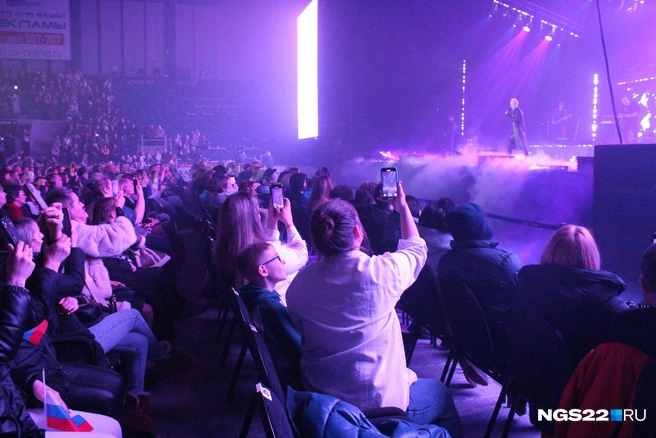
(96, 241)
(340, 325)
(16, 419)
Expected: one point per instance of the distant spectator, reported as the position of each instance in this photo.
(342, 191)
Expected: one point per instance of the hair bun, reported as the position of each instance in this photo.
(326, 222)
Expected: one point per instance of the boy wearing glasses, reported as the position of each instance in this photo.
(261, 265)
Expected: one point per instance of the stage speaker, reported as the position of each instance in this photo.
(624, 205)
(584, 163)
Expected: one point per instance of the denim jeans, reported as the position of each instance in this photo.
(431, 402)
(126, 332)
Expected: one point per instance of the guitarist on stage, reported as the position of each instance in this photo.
(629, 114)
(560, 122)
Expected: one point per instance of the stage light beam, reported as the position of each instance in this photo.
(526, 29)
(595, 97)
(307, 72)
(548, 38)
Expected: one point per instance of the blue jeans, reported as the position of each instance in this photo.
(431, 402)
(126, 332)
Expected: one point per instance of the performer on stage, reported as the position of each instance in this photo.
(518, 138)
(560, 123)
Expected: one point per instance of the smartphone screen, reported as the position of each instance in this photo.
(66, 222)
(389, 178)
(276, 196)
(10, 231)
(114, 188)
(35, 195)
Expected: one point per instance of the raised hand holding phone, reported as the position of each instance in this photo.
(277, 196)
(19, 264)
(283, 214)
(34, 194)
(389, 179)
(408, 226)
(52, 219)
(10, 231)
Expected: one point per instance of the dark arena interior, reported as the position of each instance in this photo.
(208, 239)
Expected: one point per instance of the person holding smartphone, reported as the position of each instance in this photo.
(344, 307)
(239, 225)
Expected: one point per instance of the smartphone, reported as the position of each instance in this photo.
(35, 195)
(66, 222)
(135, 183)
(389, 178)
(263, 189)
(276, 196)
(114, 188)
(10, 231)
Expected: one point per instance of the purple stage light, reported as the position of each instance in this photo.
(548, 38)
(526, 29)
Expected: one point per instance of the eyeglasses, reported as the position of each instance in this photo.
(276, 257)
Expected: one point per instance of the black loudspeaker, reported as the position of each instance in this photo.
(584, 163)
(624, 205)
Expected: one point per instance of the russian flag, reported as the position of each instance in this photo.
(58, 418)
(33, 336)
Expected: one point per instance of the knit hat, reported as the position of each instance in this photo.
(467, 222)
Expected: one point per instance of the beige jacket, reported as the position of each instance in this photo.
(97, 241)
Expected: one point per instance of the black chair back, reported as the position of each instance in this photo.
(259, 350)
(538, 355)
(273, 413)
(466, 323)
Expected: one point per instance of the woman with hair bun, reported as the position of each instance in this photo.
(569, 289)
(344, 308)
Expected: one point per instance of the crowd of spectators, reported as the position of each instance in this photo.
(324, 274)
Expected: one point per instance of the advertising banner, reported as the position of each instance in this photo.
(35, 29)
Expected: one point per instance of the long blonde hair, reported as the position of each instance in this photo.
(574, 247)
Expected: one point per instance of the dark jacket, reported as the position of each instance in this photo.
(81, 386)
(300, 214)
(276, 323)
(374, 219)
(14, 304)
(421, 300)
(637, 328)
(578, 302)
(50, 287)
(490, 272)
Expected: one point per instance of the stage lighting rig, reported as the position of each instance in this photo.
(526, 9)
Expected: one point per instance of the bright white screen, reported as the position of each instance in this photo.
(307, 77)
